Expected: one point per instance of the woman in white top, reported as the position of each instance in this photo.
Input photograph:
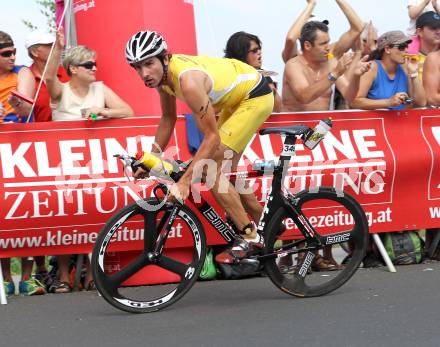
(82, 95)
(78, 99)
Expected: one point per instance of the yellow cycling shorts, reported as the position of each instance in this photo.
(238, 125)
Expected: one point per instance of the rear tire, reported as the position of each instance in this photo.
(339, 206)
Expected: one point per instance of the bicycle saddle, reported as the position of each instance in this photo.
(290, 130)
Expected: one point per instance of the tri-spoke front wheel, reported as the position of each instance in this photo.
(127, 271)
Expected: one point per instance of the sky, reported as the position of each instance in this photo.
(216, 20)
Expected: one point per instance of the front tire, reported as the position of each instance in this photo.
(139, 287)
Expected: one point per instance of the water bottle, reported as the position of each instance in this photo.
(318, 133)
(262, 165)
(155, 163)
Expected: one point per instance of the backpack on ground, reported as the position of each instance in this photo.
(209, 271)
(405, 247)
(243, 269)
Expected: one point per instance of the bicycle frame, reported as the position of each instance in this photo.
(275, 199)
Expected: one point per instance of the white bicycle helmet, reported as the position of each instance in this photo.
(143, 45)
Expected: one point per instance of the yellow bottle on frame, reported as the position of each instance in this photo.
(155, 163)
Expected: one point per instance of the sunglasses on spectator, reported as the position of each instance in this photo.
(254, 50)
(365, 41)
(88, 65)
(8, 54)
(401, 46)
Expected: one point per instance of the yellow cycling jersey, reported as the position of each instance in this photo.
(232, 80)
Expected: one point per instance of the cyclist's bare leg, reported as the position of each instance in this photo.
(227, 196)
(248, 200)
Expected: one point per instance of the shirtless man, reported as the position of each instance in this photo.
(309, 77)
(431, 78)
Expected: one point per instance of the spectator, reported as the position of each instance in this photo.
(309, 78)
(369, 39)
(13, 77)
(415, 9)
(364, 45)
(78, 99)
(387, 85)
(38, 45)
(82, 92)
(431, 78)
(247, 48)
(418, 7)
(428, 33)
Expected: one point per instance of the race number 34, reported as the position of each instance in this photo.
(288, 150)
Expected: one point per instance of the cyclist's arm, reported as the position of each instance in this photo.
(195, 86)
(167, 122)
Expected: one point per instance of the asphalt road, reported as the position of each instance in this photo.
(375, 308)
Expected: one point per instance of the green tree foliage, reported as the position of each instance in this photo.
(47, 8)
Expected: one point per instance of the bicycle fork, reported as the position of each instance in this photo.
(164, 228)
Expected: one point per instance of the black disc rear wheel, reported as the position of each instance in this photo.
(300, 268)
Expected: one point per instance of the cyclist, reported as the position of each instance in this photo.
(209, 86)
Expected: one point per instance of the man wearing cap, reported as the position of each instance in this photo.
(38, 44)
(428, 31)
(13, 78)
(309, 78)
(393, 80)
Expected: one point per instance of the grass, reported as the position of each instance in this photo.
(16, 265)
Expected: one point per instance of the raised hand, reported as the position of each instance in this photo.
(342, 65)
(362, 65)
(60, 40)
(411, 66)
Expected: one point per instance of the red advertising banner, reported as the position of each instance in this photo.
(106, 25)
(60, 182)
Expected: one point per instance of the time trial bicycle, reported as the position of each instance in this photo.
(295, 228)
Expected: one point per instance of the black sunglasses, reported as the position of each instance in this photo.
(8, 54)
(365, 41)
(255, 50)
(88, 65)
(401, 46)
